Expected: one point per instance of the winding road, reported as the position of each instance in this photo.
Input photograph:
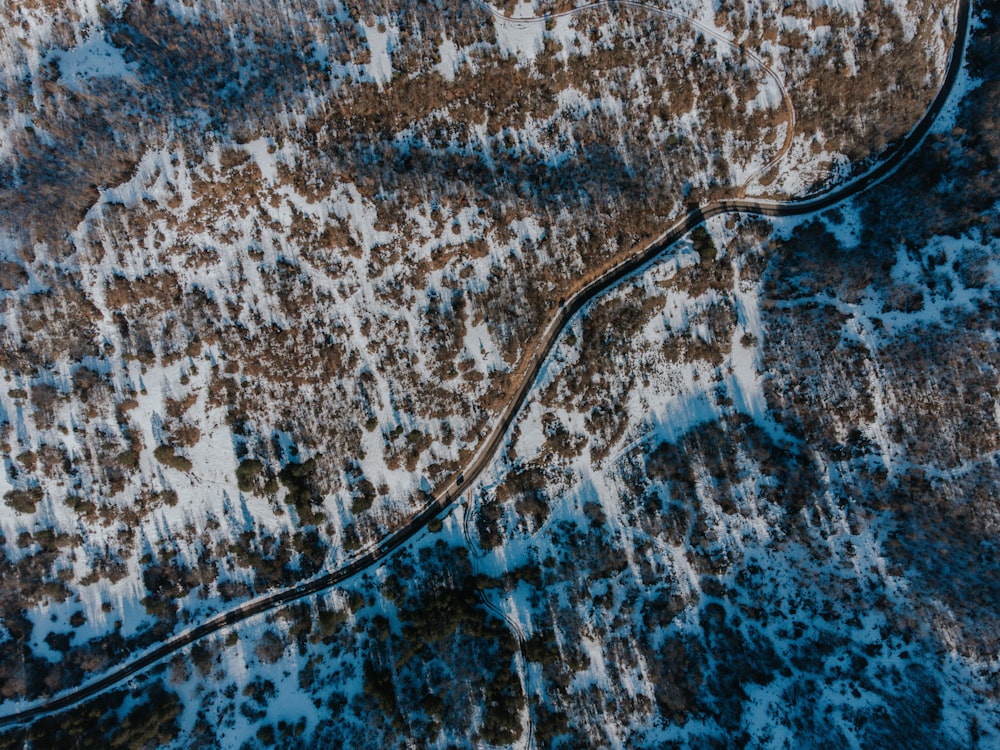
(494, 441)
(520, 21)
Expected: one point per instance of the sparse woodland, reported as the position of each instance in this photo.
(265, 289)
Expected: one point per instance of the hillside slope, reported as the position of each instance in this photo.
(751, 501)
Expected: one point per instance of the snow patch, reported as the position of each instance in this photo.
(381, 38)
(95, 57)
(523, 39)
(450, 59)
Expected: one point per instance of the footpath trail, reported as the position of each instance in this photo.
(494, 440)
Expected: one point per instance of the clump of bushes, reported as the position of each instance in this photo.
(364, 497)
(166, 456)
(302, 495)
(246, 472)
(24, 501)
(270, 648)
(128, 459)
(81, 506)
(101, 724)
(378, 684)
(704, 245)
(328, 621)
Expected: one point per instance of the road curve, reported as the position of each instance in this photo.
(484, 455)
(707, 30)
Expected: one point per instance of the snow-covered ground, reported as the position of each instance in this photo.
(289, 291)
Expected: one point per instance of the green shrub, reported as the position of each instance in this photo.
(378, 684)
(128, 459)
(81, 506)
(151, 724)
(24, 501)
(270, 648)
(166, 456)
(246, 472)
(361, 504)
(266, 735)
(704, 244)
(329, 620)
(364, 498)
(297, 478)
